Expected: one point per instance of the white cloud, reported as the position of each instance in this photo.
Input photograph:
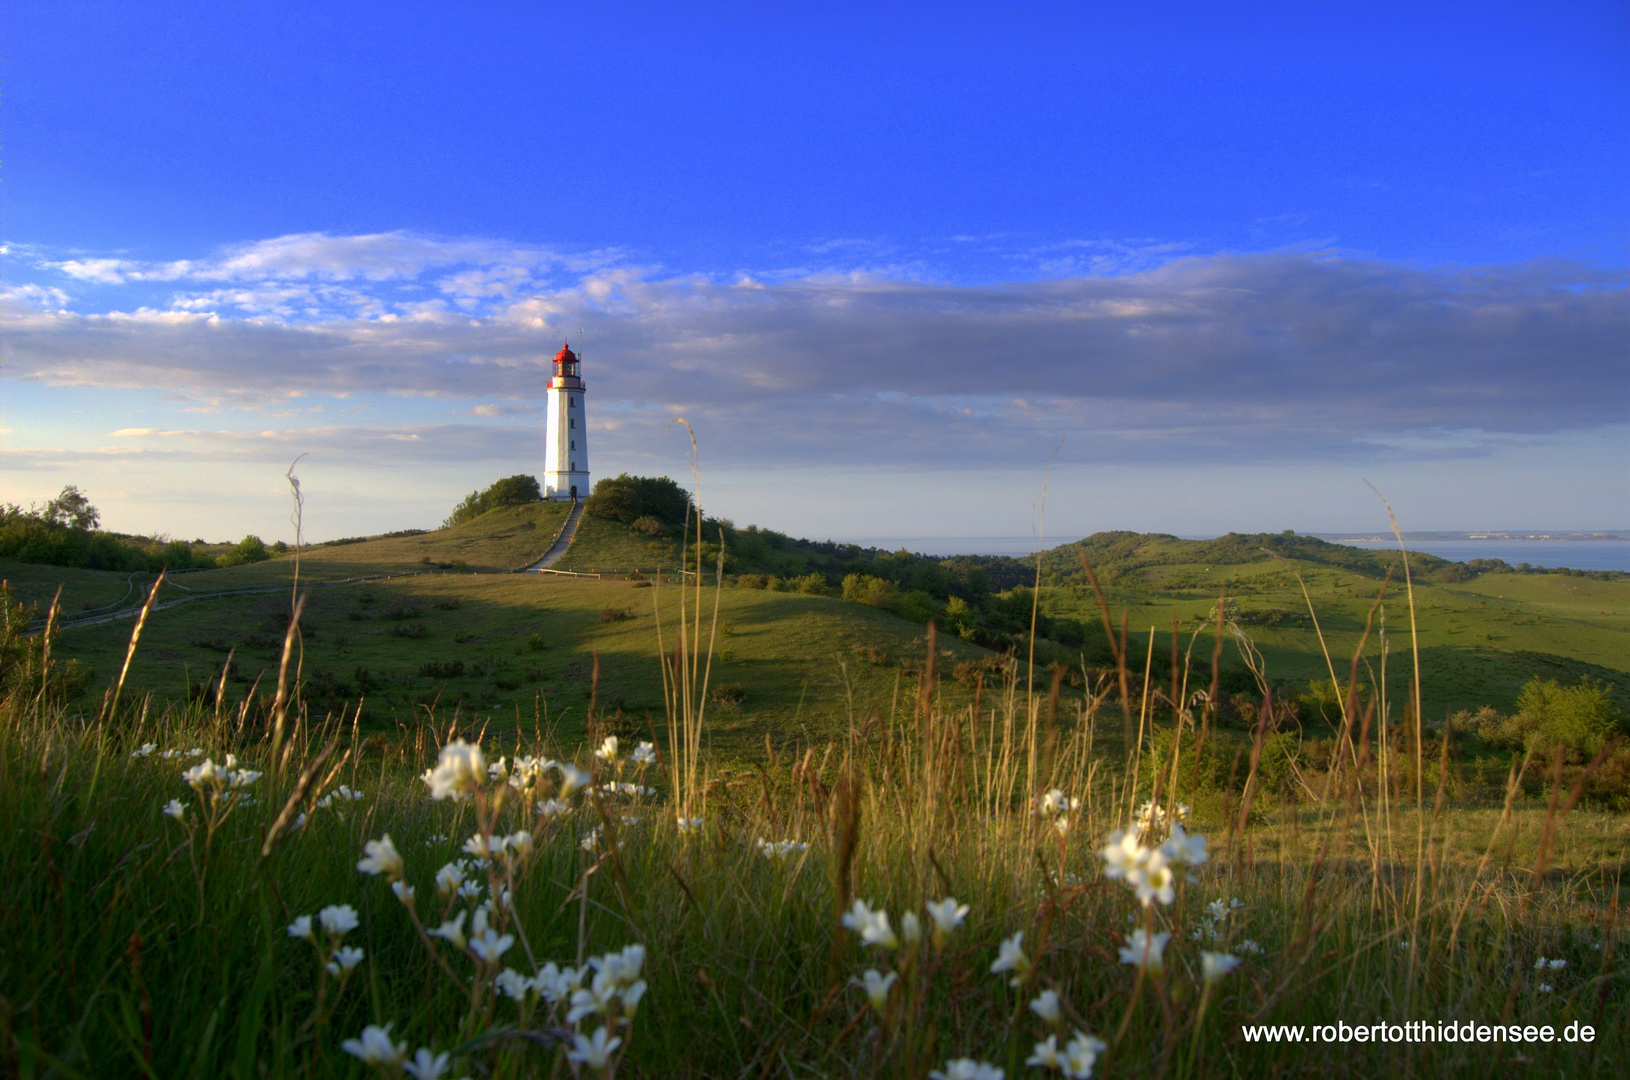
(1228, 357)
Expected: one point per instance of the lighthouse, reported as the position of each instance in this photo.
(566, 456)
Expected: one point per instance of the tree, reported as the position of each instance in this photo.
(628, 498)
(73, 510)
(515, 490)
(251, 549)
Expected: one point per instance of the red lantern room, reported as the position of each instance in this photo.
(566, 372)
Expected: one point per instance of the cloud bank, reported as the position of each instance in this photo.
(1244, 358)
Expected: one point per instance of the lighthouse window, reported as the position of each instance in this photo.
(571, 403)
(571, 422)
(573, 446)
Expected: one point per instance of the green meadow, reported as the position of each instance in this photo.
(640, 820)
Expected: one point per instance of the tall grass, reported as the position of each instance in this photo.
(132, 943)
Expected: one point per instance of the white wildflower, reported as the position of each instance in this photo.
(1046, 1006)
(877, 987)
(375, 1047)
(1080, 1054)
(1183, 849)
(1055, 802)
(608, 749)
(403, 891)
(345, 958)
(338, 919)
(144, 749)
(1144, 951)
(872, 926)
(966, 1069)
(1045, 1055)
(513, 984)
(947, 915)
(452, 930)
(381, 857)
(550, 809)
(448, 879)
(1152, 880)
(459, 771)
(490, 945)
(572, 779)
(1214, 966)
(301, 928)
(427, 1066)
(1123, 854)
(594, 1052)
(1010, 957)
(644, 754)
(176, 808)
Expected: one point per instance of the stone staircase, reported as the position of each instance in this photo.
(562, 541)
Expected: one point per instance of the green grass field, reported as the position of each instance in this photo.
(1351, 885)
(443, 603)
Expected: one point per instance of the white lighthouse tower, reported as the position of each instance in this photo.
(566, 458)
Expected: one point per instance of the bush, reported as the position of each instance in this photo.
(872, 591)
(632, 499)
(52, 537)
(612, 615)
(809, 585)
(251, 549)
(872, 654)
(727, 695)
(515, 490)
(649, 525)
(535, 643)
(1580, 718)
(437, 669)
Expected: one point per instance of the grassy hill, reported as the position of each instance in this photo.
(405, 622)
(410, 619)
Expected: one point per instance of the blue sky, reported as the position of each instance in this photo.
(884, 258)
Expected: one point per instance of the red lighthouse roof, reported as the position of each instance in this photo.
(565, 355)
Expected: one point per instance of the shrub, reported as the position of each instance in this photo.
(727, 695)
(809, 585)
(968, 673)
(1580, 718)
(873, 654)
(872, 591)
(612, 615)
(649, 525)
(510, 491)
(438, 669)
(446, 603)
(408, 630)
(251, 549)
(631, 499)
(535, 643)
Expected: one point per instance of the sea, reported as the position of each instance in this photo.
(1572, 554)
(1552, 554)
